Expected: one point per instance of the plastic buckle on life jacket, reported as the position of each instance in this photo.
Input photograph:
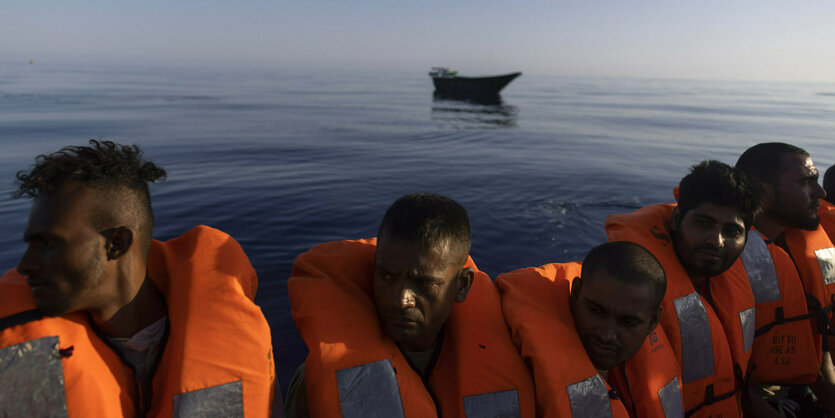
(710, 397)
(817, 310)
(66, 352)
(780, 318)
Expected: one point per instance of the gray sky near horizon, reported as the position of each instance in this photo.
(727, 40)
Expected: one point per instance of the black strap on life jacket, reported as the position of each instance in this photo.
(20, 318)
(816, 311)
(711, 398)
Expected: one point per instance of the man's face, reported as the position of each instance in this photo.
(414, 290)
(612, 317)
(65, 256)
(708, 239)
(797, 193)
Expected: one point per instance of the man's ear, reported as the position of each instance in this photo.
(675, 219)
(576, 288)
(767, 190)
(656, 316)
(118, 242)
(465, 281)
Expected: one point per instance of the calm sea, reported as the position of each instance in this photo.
(283, 161)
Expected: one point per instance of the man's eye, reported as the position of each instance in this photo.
(629, 323)
(429, 284)
(733, 233)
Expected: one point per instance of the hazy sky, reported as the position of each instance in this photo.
(736, 40)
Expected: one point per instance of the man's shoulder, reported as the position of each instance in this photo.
(201, 236)
(648, 227)
(201, 254)
(649, 222)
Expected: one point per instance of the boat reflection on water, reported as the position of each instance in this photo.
(473, 111)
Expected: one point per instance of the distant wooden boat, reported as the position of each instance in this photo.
(450, 83)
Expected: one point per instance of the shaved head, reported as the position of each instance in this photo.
(428, 220)
(629, 263)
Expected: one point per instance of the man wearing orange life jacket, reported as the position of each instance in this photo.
(709, 320)
(826, 212)
(101, 320)
(788, 182)
(589, 334)
(404, 325)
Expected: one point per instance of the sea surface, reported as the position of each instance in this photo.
(283, 161)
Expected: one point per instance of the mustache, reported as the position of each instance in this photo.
(35, 281)
(708, 247)
(607, 345)
(407, 315)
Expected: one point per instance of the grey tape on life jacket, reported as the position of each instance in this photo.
(749, 327)
(696, 340)
(760, 269)
(826, 260)
(369, 390)
(504, 404)
(589, 398)
(226, 400)
(671, 401)
(32, 380)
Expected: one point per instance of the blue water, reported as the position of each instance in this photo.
(283, 161)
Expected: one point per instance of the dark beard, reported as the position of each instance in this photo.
(798, 221)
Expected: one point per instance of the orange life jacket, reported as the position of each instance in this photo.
(353, 367)
(218, 353)
(535, 302)
(56, 365)
(785, 351)
(814, 257)
(826, 213)
(712, 337)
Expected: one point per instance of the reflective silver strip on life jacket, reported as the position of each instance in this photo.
(671, 401)
(32, 380)
(826, 260)
(748, 323)
(226, 400)
(504, 404)
(589, 398)
(369, 390)
(760, 269)
(696, 340)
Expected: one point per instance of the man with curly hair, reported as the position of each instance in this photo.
(100, 320)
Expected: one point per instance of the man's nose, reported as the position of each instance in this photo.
(819, 192)
(406, 296)
(715, 239)
(606, 332)
(27, 263)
